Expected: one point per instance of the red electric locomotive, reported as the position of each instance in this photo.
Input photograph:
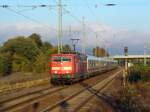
(68, 68)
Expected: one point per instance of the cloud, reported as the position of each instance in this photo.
(112, 38)
(25, 29)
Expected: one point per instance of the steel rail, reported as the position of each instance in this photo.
(106, 82)
(28, 99)
(5, 100)
(50, 108)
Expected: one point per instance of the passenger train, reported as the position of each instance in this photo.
(72, 67)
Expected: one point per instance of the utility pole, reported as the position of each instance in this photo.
(59, 35)
(126, 66)
(84, 37)
(105, 50)
(74, 42)
(145, 47)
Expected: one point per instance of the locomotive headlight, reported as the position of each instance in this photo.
(55, 72)
(67, 68)
(67, 72)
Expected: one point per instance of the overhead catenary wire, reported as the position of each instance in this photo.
(80, 21)
(43, 5)
(93, 13)
(29, 18)
(36, 21)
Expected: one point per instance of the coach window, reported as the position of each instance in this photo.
(94, 63)
(91, 63)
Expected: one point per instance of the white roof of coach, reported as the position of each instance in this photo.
(89, 57)
(97, 58)
(93, 58)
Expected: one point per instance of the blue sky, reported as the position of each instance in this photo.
(130, 16)
(127, 13)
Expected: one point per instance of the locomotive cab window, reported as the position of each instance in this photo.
(56, 59)
(61, 59)
(66, 59)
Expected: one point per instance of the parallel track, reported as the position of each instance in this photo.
(2, 101)
(94, 90)
(70, 99)
(19, 102)
(23, 101)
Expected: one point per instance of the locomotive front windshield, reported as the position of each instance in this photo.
(61, 59)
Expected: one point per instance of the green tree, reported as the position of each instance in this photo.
(37, 39)
(21, 64)
(26, 54)
(1, 64)
(20, 53)
(21, 46)
(41, 63)
(5, 65)
(47, 47)
(66, 48)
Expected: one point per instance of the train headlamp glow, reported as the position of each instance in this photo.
(55, 72)
(55, 68)
(67, 68)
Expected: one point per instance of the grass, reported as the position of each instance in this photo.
(22, 77)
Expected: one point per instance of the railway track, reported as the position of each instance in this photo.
(33, 99)
(94, 91)
(17, 96)
(71, 103)
(7, 88)
(18, 102)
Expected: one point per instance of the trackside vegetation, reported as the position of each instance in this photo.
(26, 54)
(139, 73)
(135, 96)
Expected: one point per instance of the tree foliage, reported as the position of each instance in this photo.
(21, 46)
(5, 65)
(66, 48)
(26, 54)
(41, 63)
(1, 64)
(37, 39)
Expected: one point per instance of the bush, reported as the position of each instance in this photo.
(21, 64)
(139, 72)
(5, 66)
(135, 75)
(41, 63)
(1, 65)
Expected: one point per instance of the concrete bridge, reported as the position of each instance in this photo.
(135, 59)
